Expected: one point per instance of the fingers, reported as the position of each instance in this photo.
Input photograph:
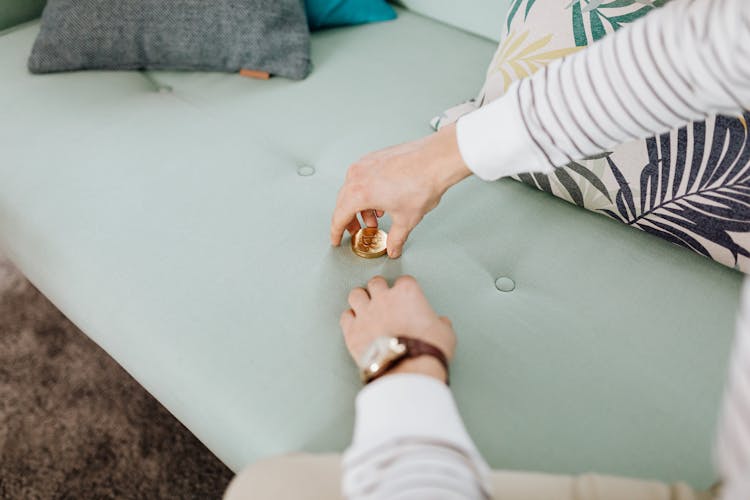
(353, 226)
(379, 213)
(339, 223)
(346, 320)
(369, 218)
(376, 286)
(344, 217)
(406, 281)
(351, 199)
(358, 298)
(396, 238)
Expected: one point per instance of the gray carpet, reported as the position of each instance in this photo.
(74, 425)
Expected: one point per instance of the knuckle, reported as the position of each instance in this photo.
(377, 281)
(358, 293)
(345, 316)
(351, 171)
(368, 159)
(355, 170)
(358, 191)
(407, 283)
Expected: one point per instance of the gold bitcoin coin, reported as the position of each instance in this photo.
(369, 242)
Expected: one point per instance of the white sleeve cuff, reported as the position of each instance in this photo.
(408, 406)
(494, 141)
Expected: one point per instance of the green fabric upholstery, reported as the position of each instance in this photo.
(165, 215)
(13, 12)
(481, 17)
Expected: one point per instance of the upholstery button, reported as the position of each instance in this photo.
(505, 284)
(305, 170)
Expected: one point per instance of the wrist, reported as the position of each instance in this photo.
(450, 168)
(422, 365)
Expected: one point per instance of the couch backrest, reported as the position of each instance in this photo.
(482, 17)
(14, 12)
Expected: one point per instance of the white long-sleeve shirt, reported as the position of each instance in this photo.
(732, 447)
(682, 62)
(410, 443)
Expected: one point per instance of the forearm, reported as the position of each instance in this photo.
(680, 63)
(409, 442)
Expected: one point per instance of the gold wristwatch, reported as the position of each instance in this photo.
(384, 353)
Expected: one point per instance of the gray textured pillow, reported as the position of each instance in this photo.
(211, 35)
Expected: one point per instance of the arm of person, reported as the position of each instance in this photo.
(410, 443)
(680, 63)
(409, 440)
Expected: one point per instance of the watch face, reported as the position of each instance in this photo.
(380, 353)
(375, 353)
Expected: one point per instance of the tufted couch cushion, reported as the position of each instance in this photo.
(181, 220)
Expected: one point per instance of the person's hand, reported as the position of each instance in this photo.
(402, 310)
(406, 181)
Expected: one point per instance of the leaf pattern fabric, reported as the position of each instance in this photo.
(519, 57)
(690, 186)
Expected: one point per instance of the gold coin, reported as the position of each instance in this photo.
(369, 242)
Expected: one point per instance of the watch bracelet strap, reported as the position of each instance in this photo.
(416, 348)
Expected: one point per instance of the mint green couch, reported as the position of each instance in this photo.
(167, 215)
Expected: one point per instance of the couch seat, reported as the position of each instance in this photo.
(181, 220)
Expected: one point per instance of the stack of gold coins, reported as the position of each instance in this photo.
(369, 242)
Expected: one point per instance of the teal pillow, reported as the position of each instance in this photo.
(330, 13)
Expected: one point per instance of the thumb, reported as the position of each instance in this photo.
(396, 238)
